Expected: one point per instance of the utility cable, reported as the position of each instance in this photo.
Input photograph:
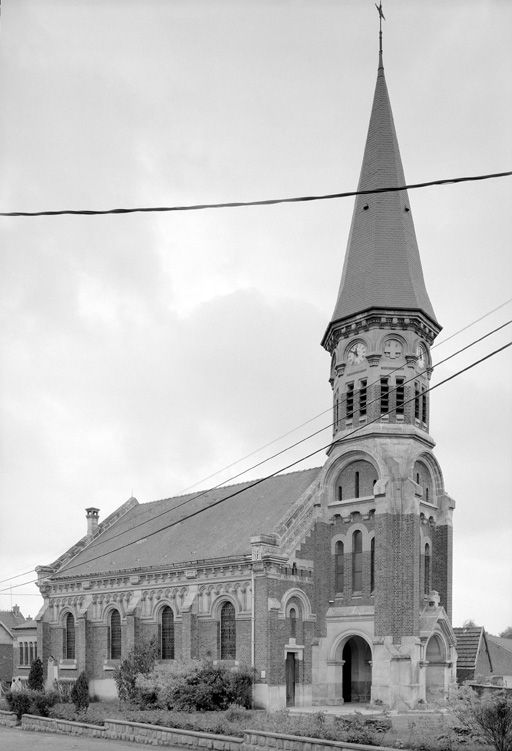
(315, 417)
(283, 469)
(264, 202)
(294, 445)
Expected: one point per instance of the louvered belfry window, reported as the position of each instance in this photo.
(69, 638)
(115, 636)
(227, 632)
(167, 634)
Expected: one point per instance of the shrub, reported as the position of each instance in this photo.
(42, 702)
(487, 718)
(19, 701)
(35, 676)
(140, 660)
(80, 692)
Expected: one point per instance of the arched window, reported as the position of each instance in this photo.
(357, 561)
(166, 634)
(339, 567)
(114, 636)
(227, 632)
(372, 564)
(293, 623)
(426, 587)
(69, 637)
(356, 483)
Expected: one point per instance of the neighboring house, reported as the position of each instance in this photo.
(8, 620)
(334, 583)
(483, 658)
(25, 648)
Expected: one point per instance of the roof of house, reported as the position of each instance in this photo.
(11, 618)
(501, 654)
(382, 267)
(30, 623)
(191, 527)
(468, 645)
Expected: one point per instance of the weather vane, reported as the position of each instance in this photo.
(381, 18)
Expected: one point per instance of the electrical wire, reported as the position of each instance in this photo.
(294, 445)
(282, 469)
(263, 202)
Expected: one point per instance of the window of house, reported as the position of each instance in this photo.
(372, 564)
(114, 639)
(357, 561)
(227, 632)
(363, 393)
(350, 400)
(69, 637)
(25, 645)
(384, 396)
(426, 587)
(31, 652)
(166, 627)
(339, 567)
(21, 653)
(400, 396)
(293, 623)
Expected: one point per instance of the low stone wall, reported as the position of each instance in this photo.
(156, 735)
(53, 725)
(8, 719)
(256, 739)
(162, 736)
(134, 731)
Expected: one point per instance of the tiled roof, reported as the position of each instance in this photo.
(10, 619)
(26, 624)
(382, 267)
(501, 654)
(218, 531)
(468, 643)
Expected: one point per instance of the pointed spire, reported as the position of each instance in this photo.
(382, 267)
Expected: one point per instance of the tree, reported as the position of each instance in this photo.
(140, 661)
(507, 634)
(80, 692)
(35, 677)
(487, 718)
(469, 623)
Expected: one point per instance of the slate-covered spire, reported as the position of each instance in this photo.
(382, 268)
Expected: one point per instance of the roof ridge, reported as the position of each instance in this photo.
(225, 487)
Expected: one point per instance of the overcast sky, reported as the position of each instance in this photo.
(141, 353)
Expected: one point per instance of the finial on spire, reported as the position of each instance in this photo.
(381, 18)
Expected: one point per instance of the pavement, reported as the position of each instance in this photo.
(16, 739)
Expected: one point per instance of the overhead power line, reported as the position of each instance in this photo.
(277, 472)
(294, 445)
(263, 202)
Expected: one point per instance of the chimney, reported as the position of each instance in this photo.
(92, 515)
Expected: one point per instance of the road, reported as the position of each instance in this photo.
(16, 739)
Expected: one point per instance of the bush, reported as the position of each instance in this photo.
(487, 718)
(19, 702)
(140, 661)
(80, 692)
(35, 676)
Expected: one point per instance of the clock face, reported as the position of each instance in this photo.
(356, 353)
(393, 349)
(421, 354)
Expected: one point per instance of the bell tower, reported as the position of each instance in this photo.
(383, 488)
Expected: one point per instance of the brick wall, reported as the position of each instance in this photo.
(442, 565)
(6, 662)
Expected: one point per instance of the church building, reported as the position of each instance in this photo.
(333, 583)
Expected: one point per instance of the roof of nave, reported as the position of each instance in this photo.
(382, 267)
(166, 532)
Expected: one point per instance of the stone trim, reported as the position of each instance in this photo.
(257, 738)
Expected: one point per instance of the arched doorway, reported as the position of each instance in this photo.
(357, 670)
(436, 664)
